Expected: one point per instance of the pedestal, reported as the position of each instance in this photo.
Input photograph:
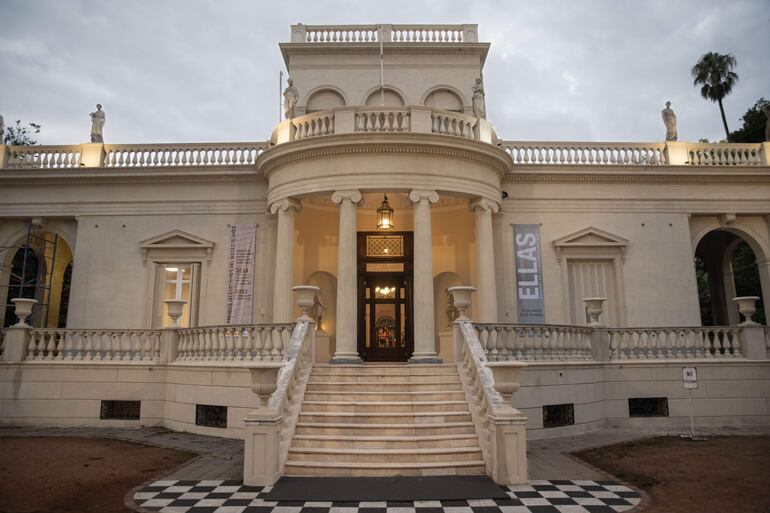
(261, 443)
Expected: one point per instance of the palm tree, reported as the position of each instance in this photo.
(714, 72)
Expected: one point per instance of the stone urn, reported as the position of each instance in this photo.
(175, 307)
(506, 375)
(461, 299)
(747, 306)
(305, 297)
(594, 307)
(23, 309)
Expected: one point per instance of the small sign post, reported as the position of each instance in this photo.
(690, 381)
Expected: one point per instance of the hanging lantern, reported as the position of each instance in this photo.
(385, 215)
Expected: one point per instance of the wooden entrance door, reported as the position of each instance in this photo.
(385, 296)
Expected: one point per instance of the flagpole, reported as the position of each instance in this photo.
(382, 73)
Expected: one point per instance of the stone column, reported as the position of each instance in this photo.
(284, 259)
(486, 293)
(347, 279)
(423, 308)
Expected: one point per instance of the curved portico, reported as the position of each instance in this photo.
(425, 170)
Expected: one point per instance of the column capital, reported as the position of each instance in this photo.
(353, 195)
(484, 204)
(285, 205)
(418, 195)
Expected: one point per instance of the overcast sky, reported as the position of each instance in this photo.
(189, 70)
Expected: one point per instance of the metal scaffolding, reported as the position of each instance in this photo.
(32, 277)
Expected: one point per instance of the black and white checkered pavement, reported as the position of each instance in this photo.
(536, 497)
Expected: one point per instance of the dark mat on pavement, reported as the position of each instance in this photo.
(396, 488)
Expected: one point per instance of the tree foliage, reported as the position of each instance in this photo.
(714, 73)
(21, 135)
(753, 129)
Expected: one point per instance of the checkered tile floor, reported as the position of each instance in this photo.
(537, 497)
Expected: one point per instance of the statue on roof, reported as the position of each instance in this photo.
(669, 119)
(479, 103)
(97, 124)
(290, 97)
(2, 129)
(766, 111)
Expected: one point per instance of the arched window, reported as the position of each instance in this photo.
(388, 98)
(22, 282)
(726, 267)
(444, 99)
(324, 99)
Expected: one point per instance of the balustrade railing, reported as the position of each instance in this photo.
(163, 155)
(674, 343)
(251, 343)
(382, 120)
(98, 345)
(313, 125)
(586, 153)
(450, 123)
(725, 155)
(48, 157)
(409, 33)
(534, 342)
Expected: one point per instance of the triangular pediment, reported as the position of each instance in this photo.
(176, 239)
(590, 237)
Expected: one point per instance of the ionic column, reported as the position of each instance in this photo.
(424, 329)
(347, 279)
(486, 292)
(284, 259)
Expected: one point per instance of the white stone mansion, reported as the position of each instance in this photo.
(160, 275)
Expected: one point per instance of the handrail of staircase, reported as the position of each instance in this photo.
(488, 388)
(280, 388)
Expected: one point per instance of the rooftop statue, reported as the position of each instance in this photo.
(479, 104)
(669, 119)
(2, 128)
(97, 124)
(290, 97)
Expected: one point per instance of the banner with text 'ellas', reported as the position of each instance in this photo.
(529, 274)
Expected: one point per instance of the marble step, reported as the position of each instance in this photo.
(333, 469)
(432, 455)
(392, 369)
(383, 418)
(385, 442)
(383, 407)
(448, 377)
(383, 386)
(343, 428)
(429, 395)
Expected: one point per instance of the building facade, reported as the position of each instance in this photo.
(384, 187)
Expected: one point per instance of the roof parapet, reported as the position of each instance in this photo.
(413, 33)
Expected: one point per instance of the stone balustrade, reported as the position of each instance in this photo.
(163, 155)
(130, 155)
(411, 119)
(251, 343)
(98, 345)
(388, 33)
(675, 343)
(534, 342)
(636, 154)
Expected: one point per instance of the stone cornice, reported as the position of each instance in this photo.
(107, 176)
(288, 49)
(383, 143)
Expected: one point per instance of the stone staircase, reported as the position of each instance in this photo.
(384, 420)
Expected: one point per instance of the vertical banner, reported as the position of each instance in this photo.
(529, 274)
(240, 273)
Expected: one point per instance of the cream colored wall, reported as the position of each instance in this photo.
(356, 75)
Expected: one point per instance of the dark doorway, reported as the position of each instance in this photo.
(385, 296)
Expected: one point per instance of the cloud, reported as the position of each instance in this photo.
(193, 70)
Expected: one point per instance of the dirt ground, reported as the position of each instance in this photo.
(718, 475)
(84, 475)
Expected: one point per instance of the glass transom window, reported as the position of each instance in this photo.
(384, 245)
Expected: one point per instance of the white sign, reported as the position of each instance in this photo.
(690, 377)
(529, 274)
(240, 273)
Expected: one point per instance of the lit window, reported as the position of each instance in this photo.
(178, 282)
